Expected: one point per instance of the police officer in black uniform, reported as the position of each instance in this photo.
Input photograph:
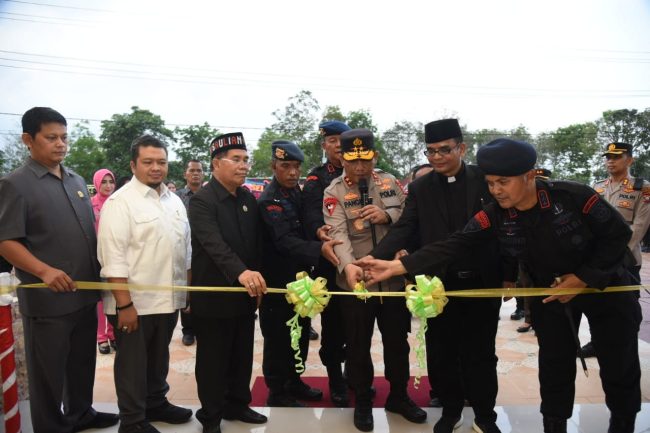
(287, 252)
(332, 351)
(566, 236)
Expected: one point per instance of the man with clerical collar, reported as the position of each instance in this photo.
(332, 351)
(360, 206)
(461, 353)
(226, 251)
(288, 251)
(566, 237)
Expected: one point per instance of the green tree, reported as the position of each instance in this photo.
(404, 142)
(262, 155)
(193, 142)
(14, 153)
(571, 152)
(119, 132)
(85, 155)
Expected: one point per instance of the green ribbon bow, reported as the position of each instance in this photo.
(424, 299)
(309, 298)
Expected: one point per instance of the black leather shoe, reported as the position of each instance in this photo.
(517, 315)
(282, 400)
(435, 402)
(246, 415)
(169, 413)
(212, 428)
(447, 424)
(188, 339)
(101, 420)
(525, 328)
(363, 416)
(621, 424)
(113, 344)
(485, 427)
(313, 335)
(554, 425)
(588, 350)
(104, 348)
(339, 394)
(407, 408)
(301, 391)
(139, 427)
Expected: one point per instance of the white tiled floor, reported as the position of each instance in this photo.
(587, 418)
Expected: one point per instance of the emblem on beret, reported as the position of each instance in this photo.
(280, 153)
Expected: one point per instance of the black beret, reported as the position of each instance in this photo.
(357, 144)
(618, 149)
(225, 142)
(332, 127)
(506, 157)
(542, 172)
(284, 150)
(441, 130)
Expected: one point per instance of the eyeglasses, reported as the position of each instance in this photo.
(444, 150)
(237, 161)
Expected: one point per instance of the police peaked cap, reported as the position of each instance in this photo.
(506, 157)
(358, 144)
(284, 150)
(225, 142)
(332, 127)
(441, 130)
(618, 149)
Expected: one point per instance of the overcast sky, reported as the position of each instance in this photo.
(497, 64)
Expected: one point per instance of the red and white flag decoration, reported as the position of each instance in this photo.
(8, 367)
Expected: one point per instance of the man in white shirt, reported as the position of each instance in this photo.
(144, 238)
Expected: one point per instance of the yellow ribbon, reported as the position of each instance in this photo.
(309, 298)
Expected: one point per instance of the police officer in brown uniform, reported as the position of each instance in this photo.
(360, 216)
(332, 350)
(631, 197)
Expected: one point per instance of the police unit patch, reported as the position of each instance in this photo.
(274, 210)
(386, 194)
(330, 204)
(544, 201)
(482, 219)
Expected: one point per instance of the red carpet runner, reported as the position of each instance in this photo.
(420, 396)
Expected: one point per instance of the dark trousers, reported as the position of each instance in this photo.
(279, 364)
(186, 323)
(332, 343)
(614, 320)
(141, 365)
(60, 354)
(224, 364)
(461, 356)
(393, 320)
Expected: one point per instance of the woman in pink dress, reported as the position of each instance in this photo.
(104, 182)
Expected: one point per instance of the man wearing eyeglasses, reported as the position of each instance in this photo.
(461, 358)
(226, 251)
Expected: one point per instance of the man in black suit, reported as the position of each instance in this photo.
(461, 357)
(226, 251)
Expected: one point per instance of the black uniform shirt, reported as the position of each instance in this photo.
(570, 230)
(287, 249)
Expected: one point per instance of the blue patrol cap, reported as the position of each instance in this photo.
(284, 150)
(332, 127)
(506, 157)
(441, 130)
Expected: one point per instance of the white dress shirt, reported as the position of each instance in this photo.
(145, 237)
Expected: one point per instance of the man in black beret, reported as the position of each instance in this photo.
(332, 351)
(287, 252)
(461, 353)
(565, 236)
(226, 251)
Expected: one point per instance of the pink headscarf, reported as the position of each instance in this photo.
(99, 199)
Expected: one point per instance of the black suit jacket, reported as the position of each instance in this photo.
(226, 240)
(424, 220)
